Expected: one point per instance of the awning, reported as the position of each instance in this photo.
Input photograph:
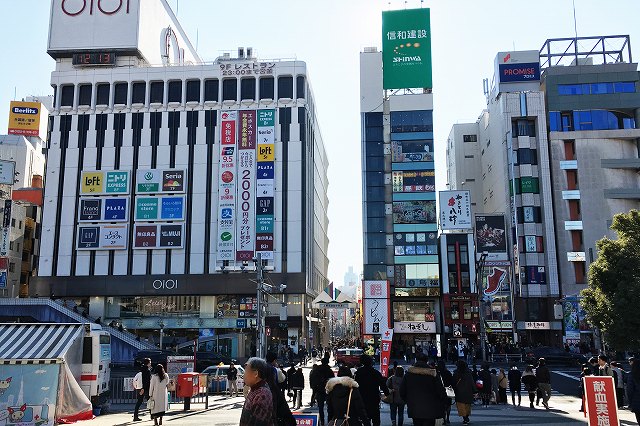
(36, 343)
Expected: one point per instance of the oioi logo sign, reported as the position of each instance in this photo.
(406, 49)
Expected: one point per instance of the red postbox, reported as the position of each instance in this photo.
(187, 385)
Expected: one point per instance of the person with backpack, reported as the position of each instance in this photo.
(530, 384)
(344, 402)
(323, 374)
(141, 384)
(515, 384)
(396, 405)
(464, 387)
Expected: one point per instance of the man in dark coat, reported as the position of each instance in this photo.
(321, 376)
(544, 381)
(424, 393)
(371, 381)
(485, 391)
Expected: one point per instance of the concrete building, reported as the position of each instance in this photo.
(593, 105)
(463, 155)
(167, 175)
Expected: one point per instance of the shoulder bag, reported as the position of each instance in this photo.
(345, 422)
(449, 389)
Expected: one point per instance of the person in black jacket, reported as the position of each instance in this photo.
(338, 390)
(515, 384)
(297, 385)
(424, 393)
(447, 380)
(530, 383)
(544, 381)
(322, 375)
(371, 381)
(465, 388)
(485, 391)
(144, 392)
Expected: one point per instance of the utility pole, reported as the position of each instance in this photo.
(260, 328)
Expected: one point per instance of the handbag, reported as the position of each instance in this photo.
(449, 389)
(345, 422)
(387, 399)
(151, 404)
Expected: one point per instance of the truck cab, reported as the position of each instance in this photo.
(96, 360)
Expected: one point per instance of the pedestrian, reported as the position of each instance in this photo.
(618, 379)
(502, 387)
(232, 380)
(290, 373)
(530, 383)
(586, 371)
(324, 373)
(280, 377)
(484, 384)
(464, 386)
(297, 385)
(371, 382)
(633, 389)
(158, 394)
(141, 384)
(313, 380)
(396, 406)
(544, 381)
(258, 409)
(593, 364)
(604, 369)
(424, 393)
(515, 384)
(344, 401)
(494, 386)
(447, 381)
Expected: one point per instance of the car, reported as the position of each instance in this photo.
(157, 356)
(554, 355)
(218, 378)
(206, 359)
(349, 356)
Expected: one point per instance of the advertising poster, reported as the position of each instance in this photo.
(265, 183)
(406, 49)
(413, 212)
(24, 118)
(407, 151)
(227, 186)
(414, 181)
(601, 407)
(497, 301)
(415, 244)
(102, 237)
(455, 210)
(246, 209)
(376, 306)
(227, 306)
(491, 236)
(112, 182)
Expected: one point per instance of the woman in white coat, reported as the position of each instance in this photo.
(158, 393)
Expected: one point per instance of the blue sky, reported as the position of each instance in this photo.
(329, 35)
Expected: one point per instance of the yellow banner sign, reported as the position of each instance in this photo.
(24, 118)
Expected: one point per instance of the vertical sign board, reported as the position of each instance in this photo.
(491, 236)
(227, 186)
(7, 172)
(406, 49)
(246, 210)
(455, 210)
(265, 178)
(376, 307)
(385, 353)
(600, 400)
(24, 118)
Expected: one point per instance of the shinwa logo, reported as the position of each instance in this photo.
(148, 176)
(405, 52)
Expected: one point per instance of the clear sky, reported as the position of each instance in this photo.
(329, 35)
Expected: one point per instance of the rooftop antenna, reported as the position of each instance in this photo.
(575, 22)
(197, 39)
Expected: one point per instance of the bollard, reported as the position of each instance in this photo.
(187, 404)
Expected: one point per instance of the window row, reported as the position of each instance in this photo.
(596, 119)
(411, 121)
(597, 88)
(423, 311)
(195, 90)
(522, 128)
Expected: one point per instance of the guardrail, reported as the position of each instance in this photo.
(122, 393)
(506, 358)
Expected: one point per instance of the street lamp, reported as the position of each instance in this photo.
(479, 287)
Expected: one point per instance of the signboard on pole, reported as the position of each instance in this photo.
(385, 351)
(406, 49)
(601, 407)
(227, 186)
(455, 210)
(246, 209)
(7, 172)
(265, 183)
(376, 307)
(24, 118)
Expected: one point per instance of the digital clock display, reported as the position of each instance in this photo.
(94, 59)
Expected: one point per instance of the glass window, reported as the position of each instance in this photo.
(376, 256)
(120, 94)
(266, 87)
(412, 121)
(211, 90)
(414, 311)
(375, 193)
(375, 224)
(374, 179)
(374, 149)
(300, 87)
(527, 156)
(375, 272)
(375, 209)
(523, 128)
(138, 89)
(601, 88)
(193, 90)
(465, 277)
(248, 88)
(455, 311)
(373, 134)
(570, 89)
(566, 119)
(156, 92)
(628, 123)
(466, 307)
(375, 163)
(66, 95)
(84, 94)
(373, 119)
(376, 240)
(102, 94)
(554, 121)
(624, 87)
(175, 91)
(451, 254)
(230, 89)
(285, 87)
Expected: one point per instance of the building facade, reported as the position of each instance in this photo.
(593, 112)
(167, 176)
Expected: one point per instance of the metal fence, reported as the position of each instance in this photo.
(122, 393)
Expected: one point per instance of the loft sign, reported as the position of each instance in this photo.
(94, 7)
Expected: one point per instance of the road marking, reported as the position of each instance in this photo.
(566, 375)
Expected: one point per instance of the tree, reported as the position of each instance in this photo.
(613, 294)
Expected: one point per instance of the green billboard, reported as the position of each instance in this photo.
(406, 49)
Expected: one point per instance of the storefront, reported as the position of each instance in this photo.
(415, 327)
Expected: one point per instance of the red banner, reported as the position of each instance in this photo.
(385, 351)
(601, 407)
